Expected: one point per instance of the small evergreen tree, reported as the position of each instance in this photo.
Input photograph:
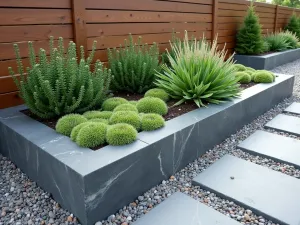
(249, 39)
(294, 25)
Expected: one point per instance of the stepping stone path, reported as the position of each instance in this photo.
(266, 192)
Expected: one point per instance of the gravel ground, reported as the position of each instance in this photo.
(23, 202)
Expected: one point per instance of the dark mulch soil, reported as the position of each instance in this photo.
(245, 86)
(48, 122)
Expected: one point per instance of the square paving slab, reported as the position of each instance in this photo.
(293, 108)
(277, 147)
(269, 193)
(285, 123)
(180, 209)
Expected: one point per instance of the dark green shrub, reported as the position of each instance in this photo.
(99, 120)
(239, 67)
(152, 121)
(126, 107)
(133, 102)
(121, 134)
(66, 123)
(128, 117)
(111, 103)
(158, 93)
(60, 85)
(263, 77)
(91, 135)
(76, 130)
(199, 73)
(152, 105)
(249, 40)
(293, 25)
(133, 67)
(244, 77)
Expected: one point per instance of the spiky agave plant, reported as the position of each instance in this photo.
(199, 72)
(61, 85)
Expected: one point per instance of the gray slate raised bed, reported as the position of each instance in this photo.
(269, 61)
(95, 184)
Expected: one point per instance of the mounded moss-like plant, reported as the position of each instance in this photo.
(158, 93)
(121, 134)
(240, 67)
(104, 115)
(152, 105)
(133, 102)
(91, 114)
(111, 103)
(250, 69)
(66, 123)
(91, 135)
(263, 77)
(128, 117)
(99, 120)
(152, 121)
(244, 77)
(126, 107)
(76, 130)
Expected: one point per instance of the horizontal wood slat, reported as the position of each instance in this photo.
(36, 3)
(10, 99)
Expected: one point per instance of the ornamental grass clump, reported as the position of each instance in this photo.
(133, 67)
(121, 134)
(151, 121)
(128, 117)
(126, 107)
(152, 105)
(111, 103)
(199, 73)
(66, 123)
(92, 135)
(158, 93)
(282, 41)
(58, 84)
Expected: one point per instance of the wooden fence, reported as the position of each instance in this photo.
(110, 21)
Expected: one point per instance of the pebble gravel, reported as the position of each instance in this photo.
(22, 202)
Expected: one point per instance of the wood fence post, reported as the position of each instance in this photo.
(276, 18)
(214, 30)
(79, 25)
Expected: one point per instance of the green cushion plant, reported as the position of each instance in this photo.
(263, 77)
(133, 67)
(240, 67)
(104, 115)
(133, 102)
(76, 130)
(244, 77)
(111, 103)
(128, 117)
(121, 134)
(152, 105)
(66, 123)
(152, 121)
(158, 93)
(91, 135)
(92, 114)
(199, 73)
(99, 120)
(126, 107)
(59, 85)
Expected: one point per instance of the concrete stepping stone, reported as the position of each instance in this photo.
(276, 147)
(293, 108)
(285, 123)
(266, 192)
(180, 209)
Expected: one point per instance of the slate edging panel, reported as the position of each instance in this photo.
(269, 61)
(266, 192)
(95, 184)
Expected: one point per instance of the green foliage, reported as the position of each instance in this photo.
(133, 67)
(281, 41)
(289, 3)
(263, 77)
(249, 40)
(99, 120)
(128, 117)
(91, 135)
(76, 130)
(111, 103)
(158, 93)
(92, 114)
(152, 121)
(244, 77)
(121, 134)
(266, 46)
(60, 85)
(104, 115)
(66, 123)
(293, 25)
(250, 69)
(199, 73)
(239, 67)
(126, 107)
(133, 102)
(152, 105)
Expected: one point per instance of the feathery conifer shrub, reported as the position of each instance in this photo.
(133, 67)
(61, 85)
(294, 25)
(249, 40)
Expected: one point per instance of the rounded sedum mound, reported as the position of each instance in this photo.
(121, 134)
(152, 121)
(104, 115)
(111, 103)
(240, 67)
(76, 130)
(128, 117)
(158, 93)
(99, 120)
(263, 77)
(92, 114)
(152, 105)
(126, 107)
(244, 77)
(66, 123)
(92, 135)
(133, 102)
